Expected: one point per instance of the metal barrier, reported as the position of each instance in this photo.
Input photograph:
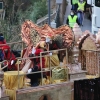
(1, 68)
(9, 44)
(43, 69)
(44, 20)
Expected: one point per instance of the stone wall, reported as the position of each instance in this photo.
(53, 92)
(62, 9)
(53, 9)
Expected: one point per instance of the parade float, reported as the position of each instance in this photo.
(79, 60)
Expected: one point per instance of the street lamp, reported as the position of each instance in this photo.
(58, 2)
(49, 12)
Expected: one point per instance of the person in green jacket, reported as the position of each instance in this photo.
(80, 11)
(74, 4)
(72, 19)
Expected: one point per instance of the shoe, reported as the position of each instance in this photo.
(44, 76)
(81, 25)
(35, 84)
(89, 17)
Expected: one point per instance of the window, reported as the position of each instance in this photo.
(1, 5)
(97, 3)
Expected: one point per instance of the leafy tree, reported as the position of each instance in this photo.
(39, 10)
(17, 11)
(36, 11)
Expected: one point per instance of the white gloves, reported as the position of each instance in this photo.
(47, 39)
(33, 50)
(50, 54)
(30, 70)
(12, 62)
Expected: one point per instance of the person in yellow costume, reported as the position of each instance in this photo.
(53, 60)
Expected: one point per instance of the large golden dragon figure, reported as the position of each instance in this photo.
(64, 31)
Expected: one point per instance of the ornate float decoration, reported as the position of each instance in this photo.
(77, 32)
(98, 37)
(89, 53)
(66, 33)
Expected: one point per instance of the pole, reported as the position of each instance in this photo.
(49, 12)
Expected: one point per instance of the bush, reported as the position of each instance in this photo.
(10, 27)
(39, 10)
(36, 11)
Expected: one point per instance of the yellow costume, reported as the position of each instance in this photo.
(12, 82)
(52, 60)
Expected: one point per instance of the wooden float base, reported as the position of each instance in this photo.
(77, 75)
(4, 98)
(63, 91)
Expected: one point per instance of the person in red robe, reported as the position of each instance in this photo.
(10, 57)
(2, 43)
(36, 66)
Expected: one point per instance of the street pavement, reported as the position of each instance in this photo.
(86, 23)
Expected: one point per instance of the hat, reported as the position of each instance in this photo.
(43, 38)
(42, 44)
(1, 38)
(51, 36)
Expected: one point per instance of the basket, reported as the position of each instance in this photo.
(59, 73)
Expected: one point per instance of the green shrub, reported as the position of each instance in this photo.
(10, 27)
(39, 10)
(36, 11)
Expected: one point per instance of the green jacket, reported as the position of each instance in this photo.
(72, 21)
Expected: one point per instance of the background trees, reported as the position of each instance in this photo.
(16, 11)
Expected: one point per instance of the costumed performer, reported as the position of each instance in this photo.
(26, 63)
(10, 57)
(35, 78)
(52, 45)
(30, 39)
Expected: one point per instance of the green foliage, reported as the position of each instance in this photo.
(9, 31)
(3, 27)
(15, 15)
(33, 1)
(36, 11)
(39, 10)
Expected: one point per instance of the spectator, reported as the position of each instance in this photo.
(74, 4)
(72, 19)
(9, 56)
(80, 13)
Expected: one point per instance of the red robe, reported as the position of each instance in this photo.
(9, 57)
(37, 60)
(2, 42)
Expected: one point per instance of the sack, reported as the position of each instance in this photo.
(59, 73)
